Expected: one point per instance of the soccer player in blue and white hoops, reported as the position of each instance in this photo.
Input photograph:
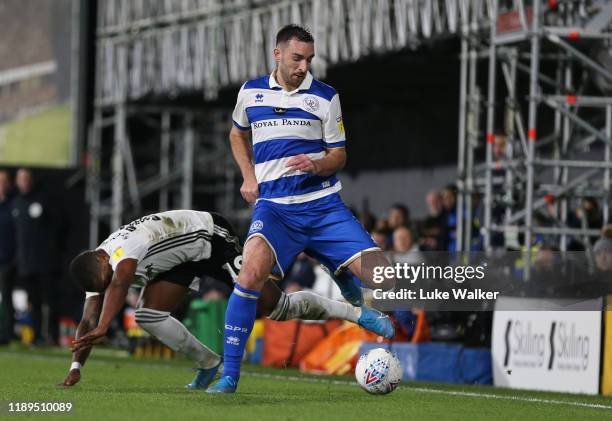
(298, 146)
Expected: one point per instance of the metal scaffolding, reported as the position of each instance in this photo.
(116, 185)
(558, 125)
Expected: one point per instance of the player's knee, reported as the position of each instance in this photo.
(387, 284)
(252, 278)
(372, 270)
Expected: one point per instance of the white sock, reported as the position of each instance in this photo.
(307, 305)
(176, 336)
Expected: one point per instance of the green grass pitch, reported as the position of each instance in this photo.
(119, 388)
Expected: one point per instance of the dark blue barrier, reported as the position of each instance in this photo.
(439, 362)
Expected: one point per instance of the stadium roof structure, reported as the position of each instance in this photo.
(167, 47)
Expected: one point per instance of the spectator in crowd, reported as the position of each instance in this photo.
(433, 227)
(299, 276)
(380, 238)
(600, 283)
(449, 216)
(398, 216)
(547, 276)
(500, 147)
(587, 215)
(405, 250)
(7, 256)
(367, 220)
(213, 290)
(38, 257)
(382, 226)
(603, 253)
(498, 173)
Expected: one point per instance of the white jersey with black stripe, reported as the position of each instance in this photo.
(160, 242)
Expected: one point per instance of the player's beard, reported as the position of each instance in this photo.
(294, 78)
(299, 77)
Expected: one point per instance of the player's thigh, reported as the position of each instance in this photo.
(363, 268)
(163, 295)
(281, 230)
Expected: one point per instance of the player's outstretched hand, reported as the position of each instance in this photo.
(92, 338)
(72, 378)
(302, 162)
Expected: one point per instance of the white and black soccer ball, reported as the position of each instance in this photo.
(378, 371)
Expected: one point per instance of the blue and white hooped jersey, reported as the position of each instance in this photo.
(284, 124)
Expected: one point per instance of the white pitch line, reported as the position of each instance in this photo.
(511, 398)
(437, 391)
(340, 382)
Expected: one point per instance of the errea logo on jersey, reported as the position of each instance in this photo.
(259, 98)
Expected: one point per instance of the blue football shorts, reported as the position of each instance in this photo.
(324, 228)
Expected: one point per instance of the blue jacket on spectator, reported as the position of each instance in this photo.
(37, 232)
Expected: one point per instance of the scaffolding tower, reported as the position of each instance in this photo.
(558, 126)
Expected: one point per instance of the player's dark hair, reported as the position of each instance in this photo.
(293, 31)
(85, 271)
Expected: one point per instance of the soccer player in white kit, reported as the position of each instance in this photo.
(166, 253)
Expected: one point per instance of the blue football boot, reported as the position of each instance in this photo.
(224, 385)
(204, 377)
(377, 322)
(349, 286)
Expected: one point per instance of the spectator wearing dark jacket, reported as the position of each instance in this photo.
(599, 284)
(7, 258)
(38, 257)
(449, 215)
(300, 275)
(433, 228)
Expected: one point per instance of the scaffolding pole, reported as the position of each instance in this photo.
(461, 165)
(547, 174)
(532, 130)
(490, 136)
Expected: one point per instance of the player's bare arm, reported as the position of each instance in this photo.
(114, 299)
(89, 321)
(333, 161)
(241, 149)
